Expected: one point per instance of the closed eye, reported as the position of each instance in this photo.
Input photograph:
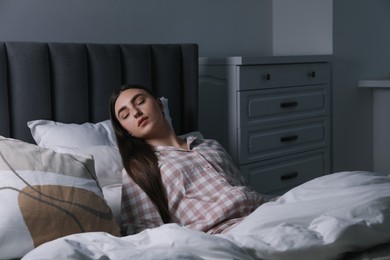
(123, 113)
(140, 101)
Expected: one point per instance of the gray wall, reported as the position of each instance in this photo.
(220, 27)
(361, 40)
(302, 27)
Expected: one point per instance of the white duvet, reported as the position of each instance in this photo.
(321, 219)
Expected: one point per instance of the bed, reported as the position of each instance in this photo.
(61, 173)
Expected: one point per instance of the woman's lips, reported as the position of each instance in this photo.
(141, 121)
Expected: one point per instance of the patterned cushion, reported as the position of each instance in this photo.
(45, 195)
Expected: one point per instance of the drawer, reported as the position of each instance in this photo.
(273, 140)
(278, 175)
(282, 75)
(270, 105)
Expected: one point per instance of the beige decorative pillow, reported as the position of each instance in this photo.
(45, 195)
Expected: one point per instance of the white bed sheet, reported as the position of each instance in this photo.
(321, 219)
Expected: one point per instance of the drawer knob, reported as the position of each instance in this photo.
(289, 104)
(287, 139)
(267, 76)
(289, 176)
(312, 74)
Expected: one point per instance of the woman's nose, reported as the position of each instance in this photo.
(137, 113)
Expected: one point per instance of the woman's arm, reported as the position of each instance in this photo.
(138, 211)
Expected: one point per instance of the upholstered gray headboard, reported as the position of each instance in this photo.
(72, 82)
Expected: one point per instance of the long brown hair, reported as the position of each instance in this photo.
(139, 159)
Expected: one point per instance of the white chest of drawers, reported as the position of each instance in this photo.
(272, 114)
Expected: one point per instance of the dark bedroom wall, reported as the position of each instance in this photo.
(361, 40)
(302, 27)
(220, 27)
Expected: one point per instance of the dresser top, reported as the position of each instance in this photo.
(374, 83)
(243, 60)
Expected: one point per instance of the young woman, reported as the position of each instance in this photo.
(167, 179)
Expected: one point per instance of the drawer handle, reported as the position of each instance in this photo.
(267, 76)
(287, 139)
(312, 74)
(289, 104)
(289, 176)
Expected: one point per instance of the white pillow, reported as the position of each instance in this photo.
(97, 140)
(164, 101)
(45, 195)
(108, 167)
(198, 134)
(47, 133)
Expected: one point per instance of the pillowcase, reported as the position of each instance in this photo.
(47, 132)
(108, 167)
(198, 134)
(97, 140)
(45, 195)
(164, 101)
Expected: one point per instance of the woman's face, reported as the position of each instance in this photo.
(139, 113)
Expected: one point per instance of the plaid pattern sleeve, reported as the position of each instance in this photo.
(205, 190)
(138, 211)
